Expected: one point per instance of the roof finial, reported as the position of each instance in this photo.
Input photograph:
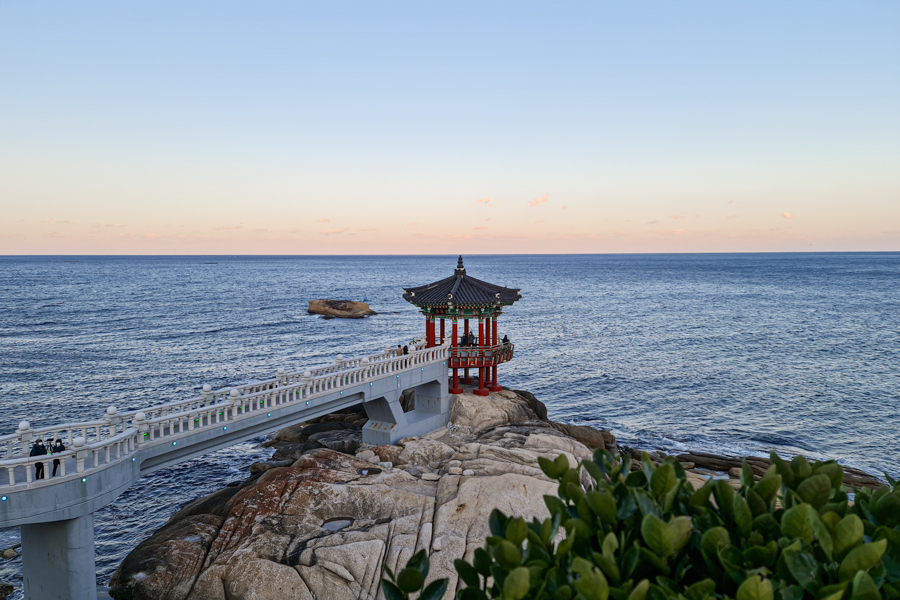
(460, 269)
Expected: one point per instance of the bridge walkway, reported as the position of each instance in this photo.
(106, 457)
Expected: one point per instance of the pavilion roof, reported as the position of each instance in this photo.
(461, 290)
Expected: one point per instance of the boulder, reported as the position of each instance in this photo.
(590, 437)
(346, 441)
(342, 309)
(327, 525)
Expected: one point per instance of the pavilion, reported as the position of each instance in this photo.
(463, 297)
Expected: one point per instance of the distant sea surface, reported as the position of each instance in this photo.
(727, 353)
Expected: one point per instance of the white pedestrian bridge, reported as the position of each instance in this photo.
(104, 457)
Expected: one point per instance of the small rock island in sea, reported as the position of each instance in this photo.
(341, 309)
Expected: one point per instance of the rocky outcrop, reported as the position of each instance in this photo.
(342, 309)
(328, 524)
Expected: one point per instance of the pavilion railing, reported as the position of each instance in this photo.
(463, 356)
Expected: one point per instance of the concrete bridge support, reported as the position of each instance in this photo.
(60, 563)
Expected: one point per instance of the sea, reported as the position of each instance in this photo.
(728, 353)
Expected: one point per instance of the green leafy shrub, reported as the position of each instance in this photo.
(412, 579)
(647, 534)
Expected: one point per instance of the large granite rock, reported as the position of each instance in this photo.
(342, 309)
(327, 525)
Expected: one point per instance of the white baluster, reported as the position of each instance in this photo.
(80, 454)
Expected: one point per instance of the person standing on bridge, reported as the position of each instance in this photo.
(56, 449)
(39, 449)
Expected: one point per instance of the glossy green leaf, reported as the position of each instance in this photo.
(815, 490)
(420, 563)
(507, 555)
(609, 567)
(769, 485)
(747, 477)
(391, 591)
(664, 538)
(887, 510)
(663, 480)
(701, 589)
(517, 584)
(640, 590)
(766, 525)
(610, 545)
(803, 566)
(435, 590)
(755, 588)
(603, 504)
(516, 530)
(467, 573)
(848, 533)
(593, 470)
(497, 520)
(410, 580)
(862, 558)
(482, 562)
(834, 471)
(713, 540)
(700, 499)
(783, 469)
(743, 517)
(724, 494)
(864, 588)
(801, 468)
(820, 530)
(795, 523)
(591, 583)
(832, 592)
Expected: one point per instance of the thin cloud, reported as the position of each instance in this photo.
(564, 207)
(363, 229)
(652, 222)
(676, 217)
(263, 230)
(732, 202)
(334, 230)
(481, 227)
(47, 220)
(226, 227)
(153, 236)
(485, 200)
(787, 215)
(731, 217)
(323, 220)
(540, 200)
(538, 222)
(410, 224)
(64, 221)
(488, 219)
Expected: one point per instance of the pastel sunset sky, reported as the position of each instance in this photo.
(456, 127)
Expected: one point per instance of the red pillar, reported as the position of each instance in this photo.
(442, 330)
(466, 378)
(454, 341)
(493, 384)
(482, 390)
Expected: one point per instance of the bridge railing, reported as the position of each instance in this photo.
(99, 444)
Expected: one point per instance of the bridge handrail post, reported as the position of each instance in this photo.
(235, 400)
(80, 454)
(139, 422)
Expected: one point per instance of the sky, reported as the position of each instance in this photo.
(452, 128)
